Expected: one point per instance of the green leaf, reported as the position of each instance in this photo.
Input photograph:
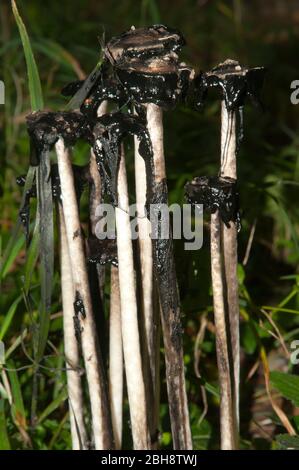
(16, 343)
(166, 439)
(58, 54)
(45, 202)
(149, 8)
(32, 255)
(8, 318)
(4, 440)
(53, 405)
(15, 243)
(18, 404)
(14, 247)
(241, 274)
(285, 441)
(248, 337)
(287, 385)
(212, 389)
(35, 88)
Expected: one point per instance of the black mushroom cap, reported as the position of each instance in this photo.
(109, 131)
(105, 88)
(235, 82)
(215, 193)
(146, 64)
(143, 43)
(45, 128)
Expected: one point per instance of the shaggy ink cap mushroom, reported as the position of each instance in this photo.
(215, 193)
(144, 43)
(146, 63)
(108, 132)
(45, 128)
(235, 82)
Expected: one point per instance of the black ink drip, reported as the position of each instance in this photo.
(79, 310)
(216, 193)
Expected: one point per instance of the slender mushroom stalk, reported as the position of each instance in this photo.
(129, 318)
(169, 297)
(109, 152)
(115, 360)
(228, 168)
(227, 421)
(115, 340)
(83, 319)
(218, 195)
(146, 63)
(235, 83)
(74, 385)
(151, 349)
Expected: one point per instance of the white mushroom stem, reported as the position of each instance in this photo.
(150, 348)
(230, 246)
(129, 318)
(115, 360)
(115, 339)
(169, 301)
(71, 350)
(101, 424)
(227, 426)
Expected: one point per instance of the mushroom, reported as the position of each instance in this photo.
(84, 321)
(145, 62)
(115, 373)
(71, 347)
(109, 153)
(56, 129)
(236, 83)
(218, 195)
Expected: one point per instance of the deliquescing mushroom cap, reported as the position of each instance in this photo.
(146, 62)
(144, 43)
(236, 83)
(215, 193)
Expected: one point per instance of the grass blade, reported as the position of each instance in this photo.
(287, 385)
(58, 54)
(15, 243)
(53, 406)
(45, 202)
(4, 441)
(35, 88)
(8, 318)
(32, 255)
(18, 404)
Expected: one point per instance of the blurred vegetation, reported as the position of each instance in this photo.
(65, 40)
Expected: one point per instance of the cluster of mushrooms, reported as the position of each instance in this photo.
(139, 78)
